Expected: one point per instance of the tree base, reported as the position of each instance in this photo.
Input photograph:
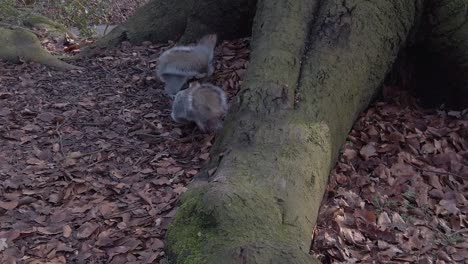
(21, 43)
(163, 20)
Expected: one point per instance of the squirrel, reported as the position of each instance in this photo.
(182, 63)
(204, 104)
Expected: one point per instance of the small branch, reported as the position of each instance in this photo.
(438, 172)
(95, 152)
(59, 134)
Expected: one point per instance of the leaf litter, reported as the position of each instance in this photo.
(91, 164)
(398, 193)
(92, 167)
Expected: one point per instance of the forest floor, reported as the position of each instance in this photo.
(91, 164)
(92, 167)
(398, 193)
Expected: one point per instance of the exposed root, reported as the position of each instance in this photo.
(18, 43)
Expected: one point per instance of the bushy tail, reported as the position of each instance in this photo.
(174, 83)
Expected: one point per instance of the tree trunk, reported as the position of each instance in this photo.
(314, 66)
(161, 20)
(441, 54)
(283, 135)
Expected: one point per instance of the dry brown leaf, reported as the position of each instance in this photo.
(162, 181)
(449, 206)
(402, 170)
(368, 151)
(180, 189)
(74, 155)
(384, 221)
(67, 231)
(350, 154)
(10, 205)
(365, 215)
(398, 222)
(85, 230)
(205, 156)
(34, 161)
(48, 230)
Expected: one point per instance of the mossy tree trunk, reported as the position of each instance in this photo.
(298, 102)
(314, 66)
(19, 41)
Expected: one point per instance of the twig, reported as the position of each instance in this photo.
(148, 123)
(88, 124)
(440, 172)
(59, 134)
(105, 29)
(96, 162)
(155, 137)
(95, 152)
(464, 230)
(131, 207)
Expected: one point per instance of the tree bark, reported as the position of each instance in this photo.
(281, 138)
(161, 20)
(441, 54)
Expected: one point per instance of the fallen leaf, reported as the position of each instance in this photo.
(367, 151)
(48, 230)
(180, 190)
(34, 161)
(384, 221)
(205, 156)
(74, 155)
(402, 170)
(349, 154)
(3, 244)
(46, 117)
(147, 171)
(85, 230)
(8, 205)
(450, 206)
(365, 215)
(67, 231)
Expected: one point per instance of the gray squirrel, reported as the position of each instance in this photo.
(181, 63)
(204, 104)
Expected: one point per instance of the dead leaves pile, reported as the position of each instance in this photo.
(399, 191)
(91, 165)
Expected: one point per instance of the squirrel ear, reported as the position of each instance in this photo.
(193, 84)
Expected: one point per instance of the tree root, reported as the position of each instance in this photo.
(163, 20)
(19, 43)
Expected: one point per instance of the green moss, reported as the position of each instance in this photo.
(22, 43)
(188, 229)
